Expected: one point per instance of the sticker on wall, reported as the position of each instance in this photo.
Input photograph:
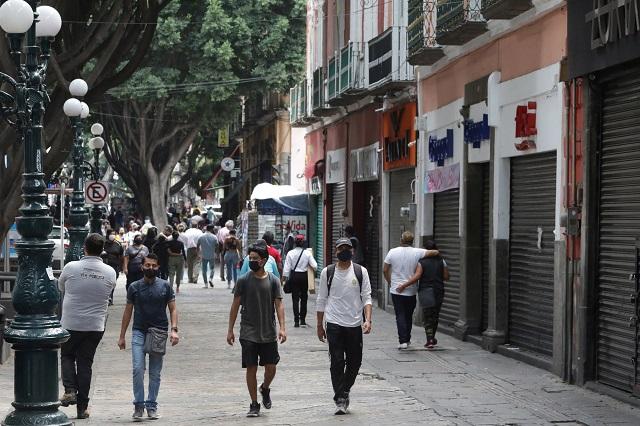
(477, 132)
(526, 129)
(441, 149)
(442, 179)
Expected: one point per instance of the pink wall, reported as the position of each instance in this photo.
(535, 46)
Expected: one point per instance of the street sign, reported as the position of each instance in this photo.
(96, 192)
(228, 164)
(223, 137)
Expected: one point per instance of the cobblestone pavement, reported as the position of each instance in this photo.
(459, 384)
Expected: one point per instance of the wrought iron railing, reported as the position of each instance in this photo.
(453, 13)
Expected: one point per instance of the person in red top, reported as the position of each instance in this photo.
(273, 252)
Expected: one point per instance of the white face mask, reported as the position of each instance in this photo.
(112, 237)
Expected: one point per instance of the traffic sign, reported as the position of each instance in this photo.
(96, 192)
(228, 164)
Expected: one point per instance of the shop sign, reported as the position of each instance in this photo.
(526, 129)
(316, 185)
(223, 137)
(441, 149)
(475, 133)
(442, 179)
(613, 20)
(336, 171)
(399, 137)
(363, 163)
(277, 224)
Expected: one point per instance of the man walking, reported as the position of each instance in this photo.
(207, 247)
(87, 285)
(193, 259)
(223, 233)
(148, 300)
(344, 292)
(260, 295)
(400, 265)
(295, 271)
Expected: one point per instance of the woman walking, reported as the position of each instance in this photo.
(431, 273)
(133, 260)
(231, 257)
(295, 271)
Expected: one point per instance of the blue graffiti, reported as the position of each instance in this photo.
(441, 149)
(475, 133)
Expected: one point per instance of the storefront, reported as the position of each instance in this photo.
(336, 207)
(314, 175)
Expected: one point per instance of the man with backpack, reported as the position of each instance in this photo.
(344, 292)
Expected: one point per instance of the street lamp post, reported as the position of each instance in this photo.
(35, 332)
(78, 216)
(96, 144)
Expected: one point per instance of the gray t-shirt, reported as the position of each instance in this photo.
(87, 285)
(208, 243)
(136, 257)
(258, 316)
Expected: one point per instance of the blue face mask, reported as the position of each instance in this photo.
(344, 255)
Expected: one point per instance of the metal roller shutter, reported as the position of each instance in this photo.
(531, 252)
(338, 204)
(371, 243)
(619, 227)
(446, 233)
(318, 246)
(399, 196)
(485, 240)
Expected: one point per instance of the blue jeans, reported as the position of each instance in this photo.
(404, 307)
(139, 363)
(230, 261)
(212, 266)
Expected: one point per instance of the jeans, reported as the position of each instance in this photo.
(193, 265)
(77, 359)
(176, 270)
(208, 263)
(299, 295)
(139, 363)
(344, 342)
(230, 261)
(404, 307)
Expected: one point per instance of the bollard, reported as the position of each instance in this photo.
(4, 347)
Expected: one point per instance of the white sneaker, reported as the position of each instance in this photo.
(403, 346)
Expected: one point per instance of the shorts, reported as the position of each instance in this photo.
(267, 352)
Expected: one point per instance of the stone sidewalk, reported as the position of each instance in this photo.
(458, 384)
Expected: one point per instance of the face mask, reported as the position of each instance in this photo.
(149, 273)
(345, 255)
(112, 237)
(254, 265)
(137, 241)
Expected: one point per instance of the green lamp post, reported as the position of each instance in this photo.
(35, 332)
(96, 143)
(78, 217)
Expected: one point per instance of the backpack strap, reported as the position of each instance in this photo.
(331, 269)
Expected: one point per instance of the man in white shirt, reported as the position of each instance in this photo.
(133, 231)
(192, 235)
(87, 285)
(344, 292)
(399, 266)
(295, 271)
(223, 233)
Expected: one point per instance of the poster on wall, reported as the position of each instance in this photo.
(276, 224)
(442, 179)
(336, 166)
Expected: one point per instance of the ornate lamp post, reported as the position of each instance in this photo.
(96, 144)
(35, 332)
(78, 216)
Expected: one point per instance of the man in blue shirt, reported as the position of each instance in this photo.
(207, 245)
(148, 300)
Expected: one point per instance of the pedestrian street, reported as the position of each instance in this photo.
(457, 384)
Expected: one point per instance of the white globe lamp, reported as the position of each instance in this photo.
(97, 129)
(85, 110)
(16, 16)
(96, 143)
(78, 87)
(72, 108)
(49, 22)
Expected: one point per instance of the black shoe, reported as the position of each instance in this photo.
(211, 283)
(254, 410)
(69, 398)
(340, 407)
(303, 324)
(346, 401)
(83, 413)
(266, 396)
(296, 324)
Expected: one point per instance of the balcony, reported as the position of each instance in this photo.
(319, 107)
(387, 62)
(421, 36)
(459, 21)
(347, 79)
(299, 115)
(505, 9)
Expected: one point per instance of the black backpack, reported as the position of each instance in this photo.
(331, 269)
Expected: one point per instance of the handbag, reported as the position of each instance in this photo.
(427, 297)
(288, 287)
(155, 341)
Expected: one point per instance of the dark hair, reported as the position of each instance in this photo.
(268, 237)
(169, 228)
(210, 228)
(152, 232)
(196, 212)
(430, 245)
(232, 232)
(175, 235)
(110, 231)
(259, 250)
(152, 256)
(299, 242)
(348, 230)
(94, 244)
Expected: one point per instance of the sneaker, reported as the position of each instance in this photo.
(266, 396)
(403, 346)
(211, 283)
(340, 407)
(296, 324)
(152, 414)
(138, 412)
(69, 398)
(254, 410)
(303, 324)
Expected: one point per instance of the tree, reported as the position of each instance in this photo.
(95, 35)
(190, 86)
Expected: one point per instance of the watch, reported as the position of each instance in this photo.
(174, 329)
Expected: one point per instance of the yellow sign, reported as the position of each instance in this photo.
(223, 137)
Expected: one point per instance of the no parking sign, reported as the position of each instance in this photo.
(96, 192)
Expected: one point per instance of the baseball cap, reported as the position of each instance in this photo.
(343, 242)
(300, 237)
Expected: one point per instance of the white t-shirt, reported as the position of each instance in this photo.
(192, 235)
(403, 261)
(87, 285)
(344, 305)
(305, 261)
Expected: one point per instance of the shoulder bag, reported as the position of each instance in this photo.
(155, 341)
(288, 287)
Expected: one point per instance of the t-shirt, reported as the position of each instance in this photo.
(208, 244)
(176, 246)
(192, 235)
(273, 252)
(87, 285)
(258, 314)
(306, 260)
(403, 261)
(344, 304)
(136, 257)
(150, 302)
(113, 253)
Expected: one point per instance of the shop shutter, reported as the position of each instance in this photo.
(619, 227)
(446, 233)
(399, 196)
(485, 237)
(531, 278)
(371, 240)
(318, 248)
(338, 204)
